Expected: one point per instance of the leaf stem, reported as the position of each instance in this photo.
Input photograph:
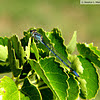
(44, 87)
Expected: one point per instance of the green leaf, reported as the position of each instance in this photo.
(3, 53)
(14, 63)
(75, 63)
(35, 66)
(89, 52)
(89, 80)
(20, 54)
(41, 47)
(73, 91)
(8, 89)
(53, 75)
(83, 90)
(28, 49)
(34, 49)
(58, 43)
(25, 39)
(3, 49)
(3, 41)
(95, 49)
(56, 77)
(30, 90)
(72, 44)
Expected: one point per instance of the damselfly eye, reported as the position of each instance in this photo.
(32, 31)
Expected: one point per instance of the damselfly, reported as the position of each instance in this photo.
(39, 37)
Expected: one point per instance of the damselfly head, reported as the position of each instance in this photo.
(33, 31)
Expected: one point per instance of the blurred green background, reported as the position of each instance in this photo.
(69, 16)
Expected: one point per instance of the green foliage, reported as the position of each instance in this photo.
(43, 76)
(34, 50)
(72, 44)
(55, 76)
(89, 52)
(57, 42)
(3, 55)
(73, 85)
(9, 90)
(30, 90)
(3, 48)
(13, 62)
(90, 84)
(4, 66)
